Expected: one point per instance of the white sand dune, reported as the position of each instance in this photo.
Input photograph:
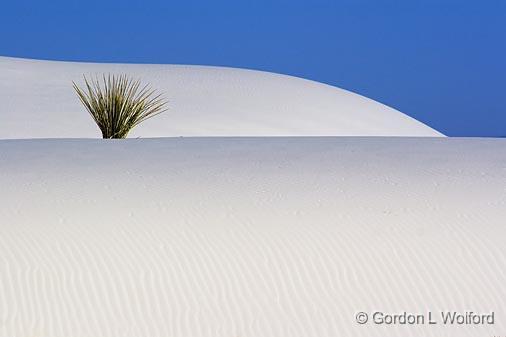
(240, 237)
(38, 102)
(249, 237)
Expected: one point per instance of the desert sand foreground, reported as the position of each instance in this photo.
(38, 102)
(250, 237)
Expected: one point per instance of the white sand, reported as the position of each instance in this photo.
(250, 237)
(38, 102)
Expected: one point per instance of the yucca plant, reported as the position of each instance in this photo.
(118, 103)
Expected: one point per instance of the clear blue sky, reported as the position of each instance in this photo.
(440, 61)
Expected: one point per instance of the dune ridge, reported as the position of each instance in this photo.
(247, 237)
(38, 102)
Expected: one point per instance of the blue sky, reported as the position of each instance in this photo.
(442, 62)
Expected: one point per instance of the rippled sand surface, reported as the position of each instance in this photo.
(249, 237)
